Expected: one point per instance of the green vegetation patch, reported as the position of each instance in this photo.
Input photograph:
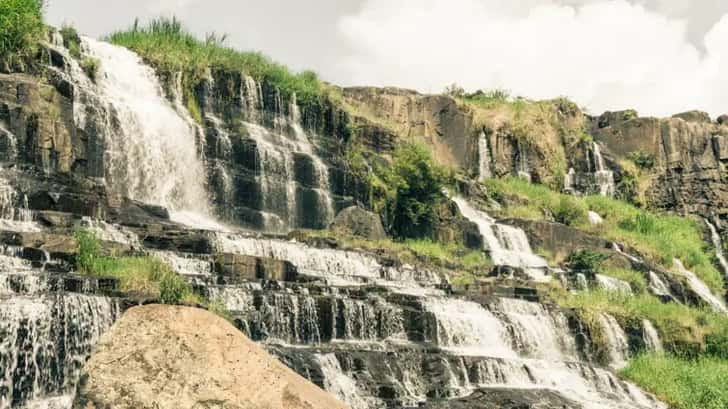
(168, 45)
(660, 238)
(682, 383)
(21, 29)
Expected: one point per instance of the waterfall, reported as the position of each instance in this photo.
(340, 384)
(539, 333)
(718, 244)
(467, 328)
(651, 337)
(14, 212)
(594, 218)
(508, 245)
(613, 284)
(658, 286)
(603, 176)
(484, 158)
(617, 344)
(293, 179)
(152, 153)
(46, 342)
(570, 181)
(700, 288)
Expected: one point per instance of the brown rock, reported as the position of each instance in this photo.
(166, 357)
(237, 268)
(359, 222)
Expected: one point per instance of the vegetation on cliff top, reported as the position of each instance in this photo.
(21, 29)
(168, 45)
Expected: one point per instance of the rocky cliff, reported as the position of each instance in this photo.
(213, 173)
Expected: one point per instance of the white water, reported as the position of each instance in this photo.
(651, 337)
(466, 328)
(539, 333)
(508, 245)
(570, 181)
(110, 232)
(700, 288)
(484, 158)
(340, 384)
(14, 212)
(658, 285)
(616, 341)
(152, 156)
(603, 176)
(595, 219)
(718, 244)
(613, 284)
(277, 149)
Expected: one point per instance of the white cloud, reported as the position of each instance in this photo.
(606, 54)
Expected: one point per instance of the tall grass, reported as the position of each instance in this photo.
(21, 28)
(167, 44)
(684, 384)
(661, 238)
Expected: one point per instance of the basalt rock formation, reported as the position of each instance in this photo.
(214, 178)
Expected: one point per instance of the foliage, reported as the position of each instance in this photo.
(636, 279)
(489, 97)
(682, 383)
(91, 67)
(71, 40)
(21, 28)
(167, 44)
(586, 261)
(88, 249)
(660, 238)
(569, 211)
(414, 189)
(642, 160)
(454, 90)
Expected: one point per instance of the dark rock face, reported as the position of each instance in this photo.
(359, 222)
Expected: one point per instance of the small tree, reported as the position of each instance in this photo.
(415, 188)
(454, 90)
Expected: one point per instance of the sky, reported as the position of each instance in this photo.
(657, 56)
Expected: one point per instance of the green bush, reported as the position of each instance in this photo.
(569, 211)
(172, 287)
(415, 186)
(91, 67)
(21, 28)
(642, 160)
(88, 250)
(586, 261)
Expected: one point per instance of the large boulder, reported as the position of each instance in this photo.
(359, 222)
(166, 357)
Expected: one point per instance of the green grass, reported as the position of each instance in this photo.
(21, 29)
(684, 384)
(660, 238)
(166, 44)
(635, 279)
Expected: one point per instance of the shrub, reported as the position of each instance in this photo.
(586, 261)
(172, 287)
(88, 250)
(642, 160)
(415, 188)
(91, 67)
(569, 211)
(21, 28)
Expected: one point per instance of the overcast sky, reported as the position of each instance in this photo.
(659, 56)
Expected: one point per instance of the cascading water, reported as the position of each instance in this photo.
(484, 158)
(617, 344)
(651, 337)
(151, 152)
(604, 177)
(718, 244)
(14, 212)
(508, 245)
(700, 288)
(613, 284)
(293, 179)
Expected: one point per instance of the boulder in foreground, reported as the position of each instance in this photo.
(166, 357)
